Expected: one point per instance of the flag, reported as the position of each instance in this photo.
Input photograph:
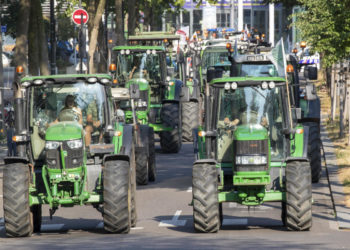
(278, 58)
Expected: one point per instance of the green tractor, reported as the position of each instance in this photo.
(251, 149)
(72, 149)
(159, 106)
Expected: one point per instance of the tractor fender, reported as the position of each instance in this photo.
(208, 161)
(115, 157)
(289, 159)
(15, 159)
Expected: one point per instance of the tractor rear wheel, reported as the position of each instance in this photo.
(206, 208)
(190, 118)
(314, 151)
(17, 213)
(152, 170)
(116, 194)
(170, 141)
(142, 167)
(298, 208)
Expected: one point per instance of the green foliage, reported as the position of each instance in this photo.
(10, 18)
(325, 24)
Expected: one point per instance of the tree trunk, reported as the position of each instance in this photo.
(43, 48)
(20, 57)
(102, 64)
(94, 34)
(33, 43)
(119, 22)
(91, 9)
(132, 11)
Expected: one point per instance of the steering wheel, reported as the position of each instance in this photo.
(68, 115)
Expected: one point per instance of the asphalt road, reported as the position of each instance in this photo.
(165, 220)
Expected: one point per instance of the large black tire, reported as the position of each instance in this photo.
(314, 151)
(298, 207)
(17, 213)
(117, 197)
(142, 167)
(37, 217)
(170, 141)
(152, 170)
(190, 119)
(206, 210)
(133, 188)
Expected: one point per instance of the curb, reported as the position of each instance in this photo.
(336, 188)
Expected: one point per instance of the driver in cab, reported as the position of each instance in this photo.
(70, 111)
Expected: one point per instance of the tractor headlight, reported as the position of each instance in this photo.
(74, 144)
(251, 159)
(51, 144)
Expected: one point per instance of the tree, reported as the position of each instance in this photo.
(325, 25)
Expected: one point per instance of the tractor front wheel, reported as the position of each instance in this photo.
(297, 214)
(142, 167)
(190, 119)
(170, 141)
(116, 195)
(314, 151)
(17, 213)
(206, 208)
(152, 170)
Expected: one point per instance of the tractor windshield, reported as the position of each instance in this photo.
(256, 70)
(138, 65)
(216, 58)
(253, 105)
(51, 103)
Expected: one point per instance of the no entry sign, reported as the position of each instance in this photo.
(77, 16)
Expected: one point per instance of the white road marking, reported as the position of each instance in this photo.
(100, 226)
(1, 196)
(51, 227)
(227, 222)
(189, 190)
(174, 222)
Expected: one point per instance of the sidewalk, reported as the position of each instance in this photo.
(336, 188)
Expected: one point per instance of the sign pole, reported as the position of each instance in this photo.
(81, 43)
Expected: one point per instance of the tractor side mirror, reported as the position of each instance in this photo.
(134, 91)
(310, 92)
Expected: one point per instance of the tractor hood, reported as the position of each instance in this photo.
(63, 131)
(143, 83)
(250, 132)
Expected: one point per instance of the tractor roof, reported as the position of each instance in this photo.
(139, 47)
(58, 79)
(154, 37)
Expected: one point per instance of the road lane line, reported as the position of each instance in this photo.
(174, 222)
(136, 228)
(230, 222)
(189, 190)
(51, 227)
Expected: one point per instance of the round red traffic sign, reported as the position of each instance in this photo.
(77, 16)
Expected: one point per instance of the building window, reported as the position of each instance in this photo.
(223, 20)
